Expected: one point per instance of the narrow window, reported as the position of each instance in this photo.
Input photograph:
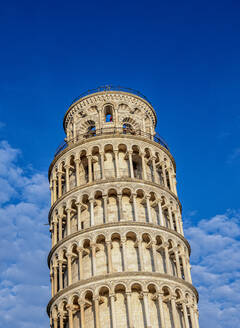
(108, 114)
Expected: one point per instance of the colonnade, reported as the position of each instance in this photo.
(82, 168)
(85, 212)
(119, 254)
(132, 307)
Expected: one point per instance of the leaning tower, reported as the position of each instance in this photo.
(119, 258)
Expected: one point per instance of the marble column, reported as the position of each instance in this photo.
(149, 209)
(69, 268)
(61, 316)
(141, 257)
(60, 227)
(154, 169)
(96, 308)
(67, 167)
(129, 309)
(51, 191)
(170, 218)
(54, 190)
(174, 312)
(185, 315)
(112, 300)
(55, 232)
(130, 163)
(55, 322)
(144, 177)
(109, 256)
(55, 279)
(155, 260)
(70, 317)
(146, 309)
(160, 213)
(82, 314)
(80, 262)
(89, 157)
(93, 248)
(116, 162)
(135, 207)
(105, 198)
(161, 310)
(77, 163)
(79, 205)
(91, 201)
(60, 274)
(177, 262)
(165, 245)
(120, 206)
(125, 260)
(192, 316)
(68, 210)
(52, 282)
(102, 164)
(59, 175)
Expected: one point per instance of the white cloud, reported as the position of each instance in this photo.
(24, 244)
(215, 262)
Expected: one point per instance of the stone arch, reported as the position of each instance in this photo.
(131, 257)
(127, 206)
(104, 306)
(117, 252)
(101, 258)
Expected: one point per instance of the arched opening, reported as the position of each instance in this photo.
(89, 310)
(137, 163)
(104, 308)
(147, 253)
(86, 259)
(113, 206)
(109, 168)
(75, 266)
(138, 305)
(101, 255)
(98, 208)
(132, 259)
(117, 254)
(121, 306)
(96, 164)
(124, 169)
(108, 111)
(153, 305)
(76, 311)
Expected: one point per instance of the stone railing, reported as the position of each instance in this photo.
(111, 131)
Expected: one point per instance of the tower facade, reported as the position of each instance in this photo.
(119, 258)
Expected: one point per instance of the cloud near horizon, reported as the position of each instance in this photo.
(25, 243)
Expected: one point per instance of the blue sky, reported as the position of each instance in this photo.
(184, 56)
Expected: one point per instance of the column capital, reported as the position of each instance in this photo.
(112, 295)
(69, 255)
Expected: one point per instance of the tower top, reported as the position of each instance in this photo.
(120, 97)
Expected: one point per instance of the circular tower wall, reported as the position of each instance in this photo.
(119, 257)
